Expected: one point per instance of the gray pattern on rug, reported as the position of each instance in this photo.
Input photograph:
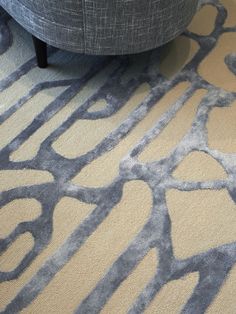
(213, 265)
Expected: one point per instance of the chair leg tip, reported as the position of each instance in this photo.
(42, 65)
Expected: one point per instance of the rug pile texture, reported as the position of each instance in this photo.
(118, 175)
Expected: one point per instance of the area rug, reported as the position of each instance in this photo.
(118, 175)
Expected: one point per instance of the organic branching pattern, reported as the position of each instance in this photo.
(212, 265)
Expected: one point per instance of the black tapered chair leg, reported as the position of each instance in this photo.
(41, 52)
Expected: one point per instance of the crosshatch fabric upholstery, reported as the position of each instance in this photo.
(103, 26)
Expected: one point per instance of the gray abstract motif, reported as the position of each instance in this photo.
(213, 265)
(5, 33)
(230, 60)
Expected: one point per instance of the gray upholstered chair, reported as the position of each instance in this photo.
(101, 26)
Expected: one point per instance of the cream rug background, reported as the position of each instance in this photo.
(118, 175)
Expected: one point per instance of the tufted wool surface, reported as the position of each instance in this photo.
(118, 175)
